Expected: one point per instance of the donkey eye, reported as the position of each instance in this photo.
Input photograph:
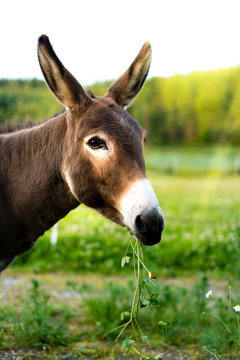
(97, 143)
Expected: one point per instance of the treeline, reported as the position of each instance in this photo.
(202, 107)
(25, 101)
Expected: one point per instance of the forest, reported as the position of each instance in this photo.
(193, 109)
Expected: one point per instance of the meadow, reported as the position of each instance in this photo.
(79, 291)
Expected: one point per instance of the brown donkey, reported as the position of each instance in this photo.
(92, 153)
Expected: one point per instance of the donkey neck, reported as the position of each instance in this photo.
(30, 177)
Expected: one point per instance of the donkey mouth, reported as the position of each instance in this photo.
(147, 242)
(148, 228)
(141, 212)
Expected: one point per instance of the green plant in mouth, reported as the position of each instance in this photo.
(145, 295)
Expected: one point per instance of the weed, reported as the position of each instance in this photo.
(104, 309)
(2, 338)
(224, 329)
(39, 323)
(174, 319)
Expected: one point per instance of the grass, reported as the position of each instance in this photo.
(181, 319)
(194, 160)
(39, 323)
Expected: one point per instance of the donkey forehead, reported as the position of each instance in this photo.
(106, 116)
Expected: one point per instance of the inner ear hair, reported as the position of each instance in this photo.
(62, 83)
(128, 85)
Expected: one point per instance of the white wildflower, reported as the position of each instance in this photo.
(208, 294)
(237, 308)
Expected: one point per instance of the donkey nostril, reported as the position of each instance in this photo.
(149, 227)
(140, 225)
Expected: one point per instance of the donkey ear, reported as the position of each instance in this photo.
(127, 86)
(62, 83)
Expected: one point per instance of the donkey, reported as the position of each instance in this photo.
(91, 153)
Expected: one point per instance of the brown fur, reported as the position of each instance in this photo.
(45, 170)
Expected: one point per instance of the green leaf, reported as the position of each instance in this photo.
(35, 283)
(125, 315)
(148, 281)
(154, 296)
(127, 342)
(162, 324)
(145, 339)
(125, 260)
(163, 327)
(153, 300)
(144, 302)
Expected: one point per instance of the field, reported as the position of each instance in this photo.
(86, 290)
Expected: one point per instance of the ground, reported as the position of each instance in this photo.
(14, 285)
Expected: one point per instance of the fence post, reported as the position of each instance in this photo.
(54, 235)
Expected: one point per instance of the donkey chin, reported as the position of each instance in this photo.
(141, 212)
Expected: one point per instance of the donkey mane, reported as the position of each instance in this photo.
(8, 128)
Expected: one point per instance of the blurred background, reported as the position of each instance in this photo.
(190, 107)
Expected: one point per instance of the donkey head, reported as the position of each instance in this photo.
(103, 163)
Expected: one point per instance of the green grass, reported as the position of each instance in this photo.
(194, 160)
(181, 318)
(39, 323)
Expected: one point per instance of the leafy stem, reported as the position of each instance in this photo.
(141, 293)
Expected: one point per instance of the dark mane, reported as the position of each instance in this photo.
(7, 128)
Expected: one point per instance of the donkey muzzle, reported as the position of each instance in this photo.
(141, 212)
(149, 227)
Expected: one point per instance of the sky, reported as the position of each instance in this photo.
(98, 39)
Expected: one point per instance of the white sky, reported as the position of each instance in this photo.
(98, 39)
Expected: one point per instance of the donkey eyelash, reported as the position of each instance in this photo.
(96, 143)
